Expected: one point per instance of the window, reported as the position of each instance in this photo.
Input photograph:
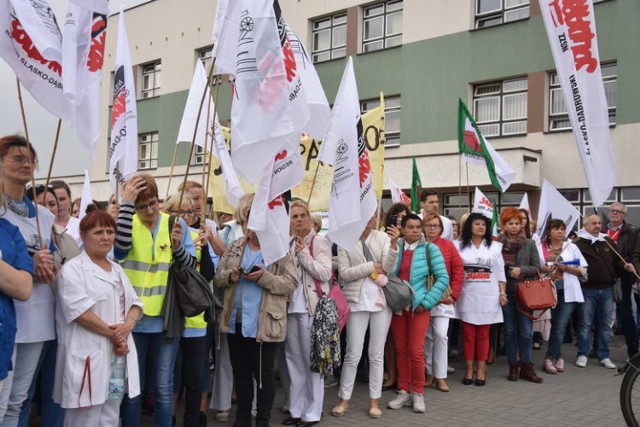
(150, 80)
(501, 107)
(558, 115)
(382, 26)
(392, 110)
(329, 38)
(148, 151)
(198, 155)
(204, 55)
(496, 12)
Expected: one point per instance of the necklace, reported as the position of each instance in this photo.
(552, 249)
(19, 207)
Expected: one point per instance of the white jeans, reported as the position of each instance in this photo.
(17, 384)
(105, 415)
(436, 346)
(378, 323)
(306, 393)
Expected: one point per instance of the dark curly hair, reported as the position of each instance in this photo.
(466, 230)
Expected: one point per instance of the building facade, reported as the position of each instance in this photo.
(424, 55)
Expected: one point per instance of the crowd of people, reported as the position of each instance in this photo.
(90, 336)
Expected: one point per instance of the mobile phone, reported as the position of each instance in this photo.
(393, 220)
(241, 270)
(254, 269)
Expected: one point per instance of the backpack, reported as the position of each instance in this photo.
(325, 337)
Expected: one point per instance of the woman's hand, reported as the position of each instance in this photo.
(377, 268)
(255, 275)
(234, 276)
(121, 349)
(515, 272)
(121, 331)
(448, 300)
(394, 234)
(299, 244)
(45, 269)
(503, 299)
(176, 235)
(133, 187)
(419, 310)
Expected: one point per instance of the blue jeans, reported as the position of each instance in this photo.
(160, 352)
(518, 332)
(597, 310)
(560, 317)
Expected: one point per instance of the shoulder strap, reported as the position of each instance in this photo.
(366, 251)
(427, 255)
(315, 281)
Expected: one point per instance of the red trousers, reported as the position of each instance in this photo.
(409, 331)
(475, 341)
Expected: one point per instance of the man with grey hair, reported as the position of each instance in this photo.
(603, 268)
(625, 235)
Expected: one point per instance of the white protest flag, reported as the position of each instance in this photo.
(554, 206)
(232, 187)
(98, 6)
(41, 76)
(261, 119)
(224, 45)
(524, 204)
(124, 121)
(474, 148)
(39, 21)
(397, 195)
(352, 199)
(83, 43)
(269, 218)
(481, 204)
(87, 197)
(192, 106)
(571, 30)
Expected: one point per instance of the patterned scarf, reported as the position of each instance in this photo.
(511, 246)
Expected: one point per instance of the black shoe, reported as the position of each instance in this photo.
(480, 383)
(306, 423)
(467, 381)
(291, 421)
(202, 421)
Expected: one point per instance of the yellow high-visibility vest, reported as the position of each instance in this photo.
(147, 263)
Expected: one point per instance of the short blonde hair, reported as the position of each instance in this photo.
(241, 214)
(300, 204)
(173, 202)
(316, 221)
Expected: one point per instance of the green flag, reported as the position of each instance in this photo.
(416, 186)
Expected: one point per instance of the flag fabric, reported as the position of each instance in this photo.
(416, 186)
(87, 197)
(124, 122)
(261, 118)
(39, 21)
(482, 204)
(352, 200)
(554, 205)
(524, 204)
(233, 188)
(192, 107)
(40, 75)
(571, 30)
(397, 195)
(269, 217)
(83, 43)
(373, 124)
(475, 149)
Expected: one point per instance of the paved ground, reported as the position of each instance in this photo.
(578, 397)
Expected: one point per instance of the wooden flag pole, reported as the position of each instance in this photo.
(460, 182)
(173, 163)
(53, 153)
(313, 183)
(24, 116)
(468, 190)
(213, 141)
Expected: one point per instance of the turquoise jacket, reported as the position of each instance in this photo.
(419, 272)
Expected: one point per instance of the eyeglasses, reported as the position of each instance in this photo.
(432, 226)
(152, 204)
(23, 160)
(182, 212)
(616, 211)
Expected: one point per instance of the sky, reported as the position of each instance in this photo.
(71, 158)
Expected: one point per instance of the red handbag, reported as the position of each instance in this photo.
(537, 294)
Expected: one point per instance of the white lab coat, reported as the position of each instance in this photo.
(82, 285)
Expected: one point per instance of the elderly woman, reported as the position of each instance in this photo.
(97, 309)
(521, 261)
(16, 282)
(435, 346)
(369, 310)
(408, 260)
(483, 292)
(554, 249)
(312, 254)
(19, 160)
(254, 318)
(145, 247)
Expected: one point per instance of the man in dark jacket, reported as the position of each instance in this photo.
(625, 235)
(597, 310)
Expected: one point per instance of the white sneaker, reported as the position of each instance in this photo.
(402, 399)
(607, 363)
(581, 361)
(418, 402)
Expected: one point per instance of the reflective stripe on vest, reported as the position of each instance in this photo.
(196, 322)
(147, 263)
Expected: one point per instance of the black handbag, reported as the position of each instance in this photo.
(193, 293)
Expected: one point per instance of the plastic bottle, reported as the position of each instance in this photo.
(116, 380)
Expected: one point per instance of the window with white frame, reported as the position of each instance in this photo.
(198, 155)
(148, 151)
(495, 12)
(382, 26)
(150, 86)
(558, 115)
(329, 38)
(500, 108)
(205, 55)
(392, 110)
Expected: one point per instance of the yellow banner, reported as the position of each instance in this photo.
(373, 125)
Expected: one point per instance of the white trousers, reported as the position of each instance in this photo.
(378, 323)
(436, 347)
(223, 378)
(105, 415)
(306, 393)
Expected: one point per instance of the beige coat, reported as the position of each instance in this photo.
(277, 282)
(314, 268)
